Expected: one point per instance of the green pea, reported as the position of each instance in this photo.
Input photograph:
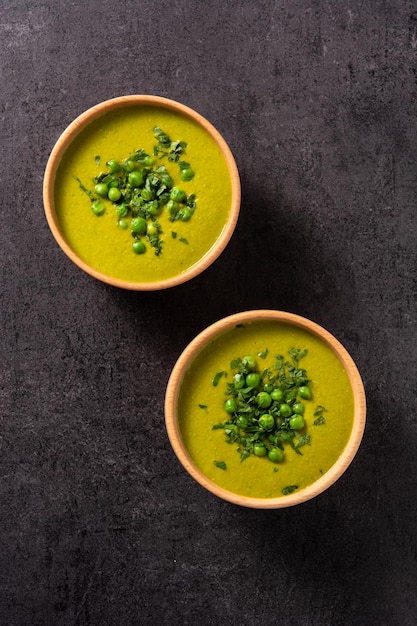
(253, 379)
(239, 381)
(101, 189)
(139, 225)
(173, 208)
(266, 421)
(153, 207)
(129, 165)
(268, 388)
(277, 395)
(297, 422)
(249, 362)
(147, 194)
(230, 405)
(139, 247)
(122, 210)
(187, 174)
(151, 229)
(263, 400)
(178, 195)
(276, 455)
(98, 208)
(184, 215)
(113, 166)
(135, 178)
(285, 410)
(114, 194)
(242, 422)
(298, 408)
(148, 161)
(163, 198)
(259, 449)
(123, 224)
(304, 392)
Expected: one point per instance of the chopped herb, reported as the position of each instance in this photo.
(263, 409)
(217, 378)
(220, 464)
(301, 440)
(318, 414)
(263, 354)
(139, 188)
(173, 234)
(289, 489)
(86, 191)
(203, 406)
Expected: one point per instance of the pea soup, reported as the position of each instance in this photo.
(299, 446)
(97, 230)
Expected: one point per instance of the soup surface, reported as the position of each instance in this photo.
(201, 405)
(98, 240)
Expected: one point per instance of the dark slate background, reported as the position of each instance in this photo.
(99, 523)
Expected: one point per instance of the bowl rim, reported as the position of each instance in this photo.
(71, 132)
(207, 335)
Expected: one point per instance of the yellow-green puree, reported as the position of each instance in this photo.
(201, 405)
(98, 240)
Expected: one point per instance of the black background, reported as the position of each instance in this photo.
(99, 522)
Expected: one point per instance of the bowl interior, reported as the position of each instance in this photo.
(165, 106)
(184, 365)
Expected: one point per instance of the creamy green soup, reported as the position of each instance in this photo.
(201, 405)
(98, 240)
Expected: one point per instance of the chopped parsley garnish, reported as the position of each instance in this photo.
(217, 378)
(139, 189)
(289, 489)
(220, 464)
(264, 408)
(318, 414)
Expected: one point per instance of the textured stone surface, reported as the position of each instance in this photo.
(99, 524)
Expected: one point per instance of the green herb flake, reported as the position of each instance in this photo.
(183, 240)
(289, 489)
(85, 190)
(264, 354)
(302, 440)
(319, 421)
(173, 234)
(220, 464)
(97, 159)
(203, 406)
(217, 378)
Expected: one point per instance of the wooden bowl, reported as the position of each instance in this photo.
(80, 124)
(185, 364)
